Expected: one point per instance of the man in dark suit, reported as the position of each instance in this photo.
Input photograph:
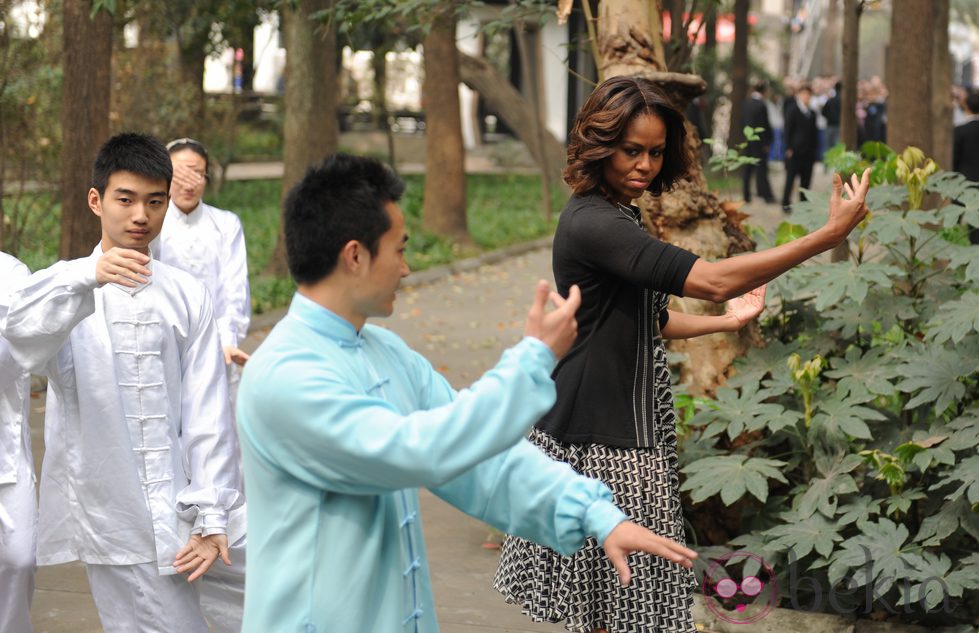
(965, 146)
(755, 113)
(801, 143)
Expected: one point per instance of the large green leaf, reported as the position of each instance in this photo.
(933, 374)
(831, 283)
(732, 476)
(962, 432)
(745, 410)
(955, 319)
(760, 361)
(962, 257)
(877, 553)
(859, 510)
(802, 534)
(873, 371)
(889, 228)
(935, 583)
(966, 473)
(882, 308)
(883, 197)
(844, 414)
(901, 502)
(822, 493)
(947, 521)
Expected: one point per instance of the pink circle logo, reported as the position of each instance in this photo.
(736, 592)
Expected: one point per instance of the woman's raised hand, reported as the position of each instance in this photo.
(846, 213)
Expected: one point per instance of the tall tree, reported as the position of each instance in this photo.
(85, 118)
(851, 65)
(739, 72)
(830, 37)
(310, 131)
(690, 216)
(445, 191)
(941, 86)
(909, 75)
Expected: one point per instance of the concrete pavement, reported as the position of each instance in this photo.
(460, 322)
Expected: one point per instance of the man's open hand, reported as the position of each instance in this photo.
(557, 328)
(628, 537)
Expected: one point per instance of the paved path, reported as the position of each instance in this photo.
(460, 322)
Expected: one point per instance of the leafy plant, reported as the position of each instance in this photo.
(850, 442)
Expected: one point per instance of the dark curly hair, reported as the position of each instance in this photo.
(601, 123)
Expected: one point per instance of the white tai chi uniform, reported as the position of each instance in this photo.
(209, 243)
(139, 445)
(18, 500)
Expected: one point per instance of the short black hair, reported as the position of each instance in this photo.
(761, 86)
(972, 101)
(137, 153)
(338, 201)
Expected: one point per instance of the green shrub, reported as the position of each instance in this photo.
(855, 431)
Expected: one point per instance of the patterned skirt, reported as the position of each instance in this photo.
(583, 589)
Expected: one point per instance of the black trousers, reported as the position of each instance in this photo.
(762, 187)
(800, 166)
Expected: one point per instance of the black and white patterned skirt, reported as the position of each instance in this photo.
(583, 589)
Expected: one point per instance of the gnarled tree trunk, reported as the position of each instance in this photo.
(690, 216)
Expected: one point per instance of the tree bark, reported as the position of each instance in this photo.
(941, 87)
(85, 120)
(739, 72)
(909, 120)
(192, 57)
(518, 115)
(830, 37)
(851, 67)
(690, 216)
(310, 131)
(445, 177)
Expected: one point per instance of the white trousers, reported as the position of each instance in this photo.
(18, 546)
(222, 591)
(137, 599)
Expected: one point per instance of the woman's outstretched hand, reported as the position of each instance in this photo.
(846, 213)
(747, 307)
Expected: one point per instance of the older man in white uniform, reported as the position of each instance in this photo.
(18, 501)
(140, 480)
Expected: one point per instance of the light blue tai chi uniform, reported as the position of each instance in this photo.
(339, 428)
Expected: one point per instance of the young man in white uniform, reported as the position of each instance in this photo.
(140, 479)
(18, 501)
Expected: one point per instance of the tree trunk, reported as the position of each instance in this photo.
(539, 129)
(192, 56)
(518, 115)
(690, 216)
(941, 87)
(710, 48)
(85, 120)
(310, 131)
(909, 70)
(830, 37)
(445, 176)
(739, 72)
(851, 67)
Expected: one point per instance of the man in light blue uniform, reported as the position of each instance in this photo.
(340, 422)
